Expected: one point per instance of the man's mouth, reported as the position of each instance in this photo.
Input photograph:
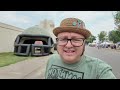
(69, 52)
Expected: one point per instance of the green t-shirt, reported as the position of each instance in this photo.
(87, 68)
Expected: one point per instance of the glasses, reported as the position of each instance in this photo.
(75, 42)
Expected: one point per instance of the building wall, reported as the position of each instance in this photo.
(8, 35)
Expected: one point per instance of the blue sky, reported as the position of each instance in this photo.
(95, 21)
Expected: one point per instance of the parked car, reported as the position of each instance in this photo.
(106, 44)
(113, 46)
(118, 45)
(92, 44)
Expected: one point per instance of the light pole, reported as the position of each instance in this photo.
(106, 41)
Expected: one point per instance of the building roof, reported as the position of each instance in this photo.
(10, 27)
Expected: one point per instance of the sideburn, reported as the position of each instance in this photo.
(56, 49)
(83, 50)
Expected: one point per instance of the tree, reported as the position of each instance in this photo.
(114, 36)
(117, 19)
(102, 36)
(90, 39)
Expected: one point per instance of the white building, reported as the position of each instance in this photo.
(8, 34)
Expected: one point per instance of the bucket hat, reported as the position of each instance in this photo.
(72, 25)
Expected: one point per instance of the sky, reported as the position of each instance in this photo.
(95, 21)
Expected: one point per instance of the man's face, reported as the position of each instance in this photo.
(70, 51)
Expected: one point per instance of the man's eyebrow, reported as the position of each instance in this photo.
(77, 37)
(63, 37)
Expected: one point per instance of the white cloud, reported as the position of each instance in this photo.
(7, 15)
(107, 26)
(86, 15)
(96, 21)
(11, 17)
(47, 14)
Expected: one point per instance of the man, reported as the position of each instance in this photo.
(70, 62)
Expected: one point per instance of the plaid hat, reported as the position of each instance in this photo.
(72, 25)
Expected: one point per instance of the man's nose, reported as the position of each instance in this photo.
(69, 44)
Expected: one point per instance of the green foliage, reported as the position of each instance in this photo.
(117, 19)
(114, 36)
(102, 36)
(90, 39)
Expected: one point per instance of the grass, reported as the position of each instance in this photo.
(9, 58)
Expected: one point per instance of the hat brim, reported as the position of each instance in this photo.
(86, 33)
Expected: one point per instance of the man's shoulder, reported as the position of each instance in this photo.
(94, 60)
(91, 59)
(54, 57)
(100, 64)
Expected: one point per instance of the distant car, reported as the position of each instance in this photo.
(113, 46)
(92, 44)
(118, 45)
(106, 44)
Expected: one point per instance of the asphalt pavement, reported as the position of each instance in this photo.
(34, 68)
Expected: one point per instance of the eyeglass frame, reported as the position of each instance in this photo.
(83, 39)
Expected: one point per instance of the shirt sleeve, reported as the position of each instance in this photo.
(104, 71)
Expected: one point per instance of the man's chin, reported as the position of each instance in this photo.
(69, 59)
